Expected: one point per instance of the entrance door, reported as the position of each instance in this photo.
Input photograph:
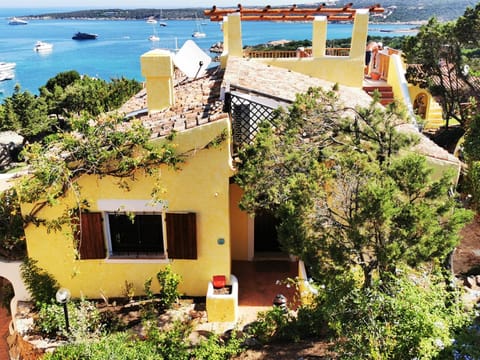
(265, 234)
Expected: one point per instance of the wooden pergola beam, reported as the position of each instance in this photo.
(293, 13)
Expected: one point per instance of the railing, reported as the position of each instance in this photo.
(384, 61)
(246, 116)
(281, 54)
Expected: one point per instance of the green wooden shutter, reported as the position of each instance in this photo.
(181, 236)
(91, 242)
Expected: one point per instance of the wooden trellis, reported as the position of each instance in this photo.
(293, 13)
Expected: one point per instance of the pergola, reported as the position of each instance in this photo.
(293, 13)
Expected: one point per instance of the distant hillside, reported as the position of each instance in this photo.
(395, 11)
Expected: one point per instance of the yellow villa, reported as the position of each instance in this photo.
(197, 227)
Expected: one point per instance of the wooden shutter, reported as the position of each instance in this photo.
(91, 242)
(182, 236)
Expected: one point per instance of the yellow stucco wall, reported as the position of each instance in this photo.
(238, 225)
(201, 186)
(344, 70)
(157, 68)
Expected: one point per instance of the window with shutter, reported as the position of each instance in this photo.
(90, 239)
(181, 235)
(135, 235)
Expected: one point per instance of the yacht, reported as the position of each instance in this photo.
(42, 46)
(151, 20)
(199, 34)
(7, 66)
(16, 21)
(84, 36)
(6, 75)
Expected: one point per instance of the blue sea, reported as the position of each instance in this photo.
(116, 53)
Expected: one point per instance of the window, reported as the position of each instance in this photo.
(137, 235)
(142, 235)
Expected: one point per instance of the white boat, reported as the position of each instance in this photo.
(16, 21)
(6, 75)
(151, 20)
(154, 36)
(199, 32)
(42, 46)
(7, 66)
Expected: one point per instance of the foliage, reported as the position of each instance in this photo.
(106, 146)
(41, 285)
(64, 96)
(273, 325)
(62, 80)
(12, 236)
(344, 195)
(413, 316)
(471, 152)
(171, 344)
(115, 346)
(168, 287)
(84, 320)
(466, 345)
(468, 27)
(215, 348)
(129, 290)
(440, 50)
(27, 115)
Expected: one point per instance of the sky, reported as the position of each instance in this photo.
(136, 4)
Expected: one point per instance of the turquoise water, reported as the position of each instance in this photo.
(120, 44)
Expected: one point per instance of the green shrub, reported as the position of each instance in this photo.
(12, 236)
(41, 285)
(84, 320)
(168, 287)
(171, 344)
(118, 346)
(411, 317)
(214, 348)
(273, 325)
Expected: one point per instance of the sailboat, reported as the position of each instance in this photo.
(154, 36)
(199, 32)
(162, 22)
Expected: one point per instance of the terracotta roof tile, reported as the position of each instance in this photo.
(197, 102)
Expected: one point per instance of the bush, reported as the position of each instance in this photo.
(168, 287)
(115, 346)
(273, 325)
(12, 236)
(214, 348)
(84, 320)
(41, 285)
(409, 318)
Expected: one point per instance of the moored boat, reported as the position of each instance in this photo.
(6, 75)
(84, 36)
(16, 21)
(42, 46)
(7, 66)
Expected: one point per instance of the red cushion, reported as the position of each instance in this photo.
(219, 281)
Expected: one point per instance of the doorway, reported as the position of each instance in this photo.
(265, 235)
